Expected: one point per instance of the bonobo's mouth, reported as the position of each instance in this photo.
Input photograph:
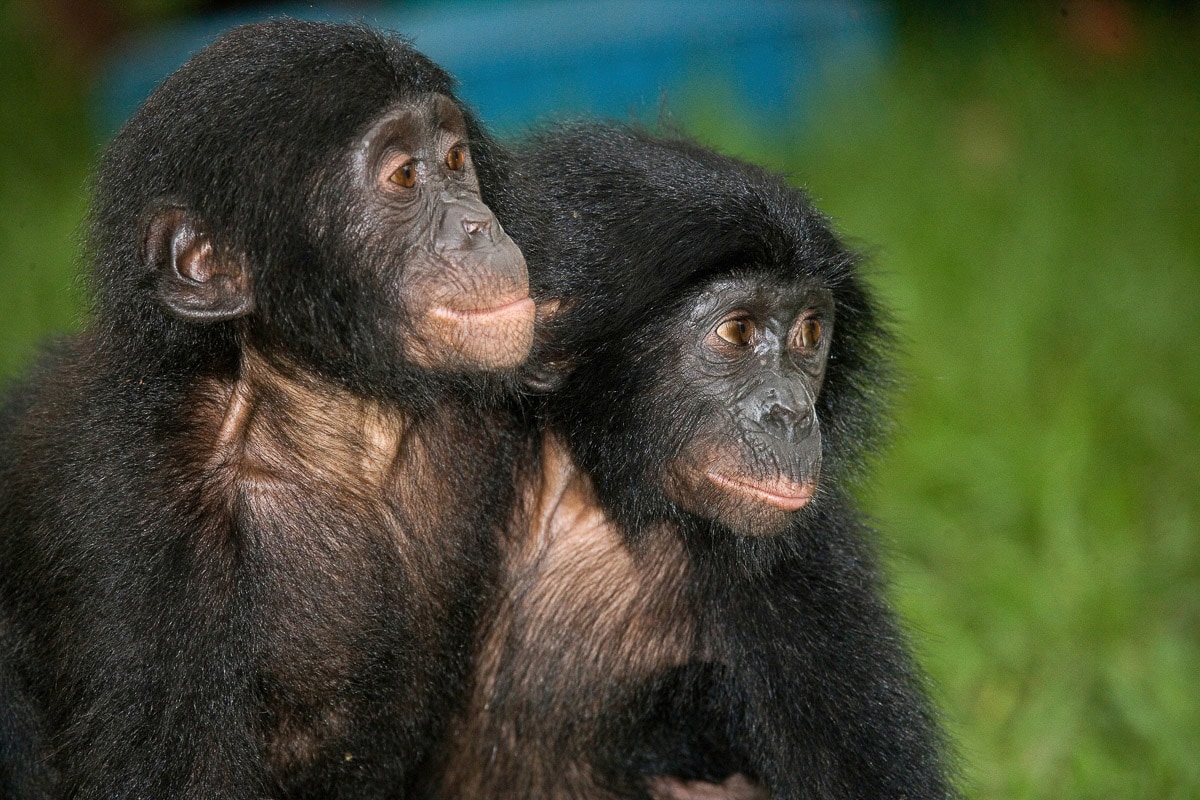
(519, 308)
(780, 492)
(490, 337)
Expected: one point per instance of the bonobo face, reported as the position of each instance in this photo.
(753, 349)
(461, 280)
(381, 257)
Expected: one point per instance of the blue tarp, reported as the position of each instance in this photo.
(522, 60)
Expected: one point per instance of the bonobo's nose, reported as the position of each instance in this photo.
(783, 413)
(466, 224)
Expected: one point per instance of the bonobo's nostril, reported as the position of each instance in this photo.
(474, 226)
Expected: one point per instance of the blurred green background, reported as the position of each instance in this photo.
(1028, 181)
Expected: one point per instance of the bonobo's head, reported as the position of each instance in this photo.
(311, 192)
(709, 348)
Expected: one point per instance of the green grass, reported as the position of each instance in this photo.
(1035, 220)
(45, 153)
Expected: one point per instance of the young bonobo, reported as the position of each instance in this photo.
(247, 515)
(689, 604)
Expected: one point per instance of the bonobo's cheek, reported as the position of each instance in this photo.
(727, 485)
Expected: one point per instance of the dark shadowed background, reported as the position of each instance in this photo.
(1028, 180)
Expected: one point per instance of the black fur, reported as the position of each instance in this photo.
(796, 673)
(180, 620)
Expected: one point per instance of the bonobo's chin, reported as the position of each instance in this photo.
(746, 506)
(758, 521)
(488, 339)
(759, 508)
(491, 339)
(779, 492)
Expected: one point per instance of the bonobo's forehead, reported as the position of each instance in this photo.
(762, 292)
(416, 118)
(447, 114)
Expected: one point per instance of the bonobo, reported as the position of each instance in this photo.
(689, 603)
(246, 515)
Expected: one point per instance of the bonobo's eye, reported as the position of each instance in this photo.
(456, 158)
(405, 175)
(807, 334)
(737, 331)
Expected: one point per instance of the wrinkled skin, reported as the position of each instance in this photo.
(757, 458)
(465, 288)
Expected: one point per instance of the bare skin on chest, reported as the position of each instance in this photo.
(582, 617)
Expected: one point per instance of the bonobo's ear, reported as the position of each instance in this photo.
(547, 369)
(194, 281)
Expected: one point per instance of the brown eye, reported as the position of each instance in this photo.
(808, 334)
(456, 159)
(405, 175)
(736, 331)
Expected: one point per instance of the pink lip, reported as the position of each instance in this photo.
(781, 493)
(522, 306)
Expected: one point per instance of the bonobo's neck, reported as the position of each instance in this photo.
(643, 515)
(274, 419)
(621, 482)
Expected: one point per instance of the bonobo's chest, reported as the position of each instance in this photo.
(363, 535)
(581, 621)
(296, 465)
(579, 604)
